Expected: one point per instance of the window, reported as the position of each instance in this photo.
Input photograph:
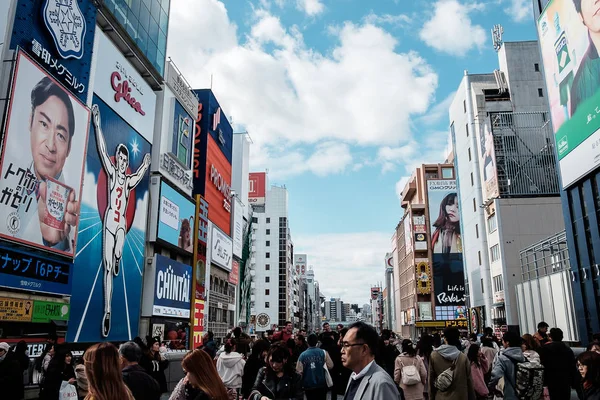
(267, 292)
(267, 267)
(268, 255)
(474, 207)
(472, 180)
(268, 232)
(492, 224)
(267, 279)
(268, 243)
(498, 284)
(268, 220)
(540, 92)
(255, 220)
(267, 305)
(467, 129)
(447, 173)
(482, 291)
(536, 67)
(469, 154)
(495, 252)
(477, 230)
(465, 106)
(479, 256)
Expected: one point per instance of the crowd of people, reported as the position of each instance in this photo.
(355, 362)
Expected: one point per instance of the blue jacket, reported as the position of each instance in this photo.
(505, 367)
(313, 373)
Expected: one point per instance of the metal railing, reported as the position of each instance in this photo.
(545, 257)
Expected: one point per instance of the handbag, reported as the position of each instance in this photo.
(444, 380)
(67, 391)
(328, 379)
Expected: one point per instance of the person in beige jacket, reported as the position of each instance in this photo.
(409, 357)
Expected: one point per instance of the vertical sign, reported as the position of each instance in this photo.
(199, 271)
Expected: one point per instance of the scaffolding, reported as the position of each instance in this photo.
(545, 257)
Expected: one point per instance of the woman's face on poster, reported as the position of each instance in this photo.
(452, 211)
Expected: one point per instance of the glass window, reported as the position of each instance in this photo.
(144, 17)
(268, 220)
(255, 220)
(142, 39)
(268, 255)
(467, 129)
(447, 173)
(495, 252)
(267, 267)
(267, 292)
(155, 9)
(536, 67)
(469, 154)
(492, 223)
(540, 92)
(153, 32)
(268, 242)
(267, 305)
(268, 231)
(164, 21)
(267, 279)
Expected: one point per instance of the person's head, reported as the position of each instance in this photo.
(473, 353)
(122, 158)
(588, 364)
(51, 126)
(312, 340)
(473, 337)
(425, 345)
(448, 212)
(21, 347)
(342, 333)
(260, 349)
(359, 346)
(588, 12)
(237, 332)
(103, 373)
(528, 342)
(130, 354)
(4, 348)
(202, 374)
(208, 336)
(556, 334)
(408, 348)
(487, 341)
(50, 349)
(452, 336)
(488, 331)
(326, 327)
(230, 345)
(511, 339)
(543, 327)
(270, 334)
(277, 359)
(302, 332)
(339, 327)
(594, 346)
(185, 231)
(300, 340)
(289, 327)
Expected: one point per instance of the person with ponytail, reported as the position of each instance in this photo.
(103, 372)
(230, 366)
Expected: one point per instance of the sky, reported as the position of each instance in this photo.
(342, 100)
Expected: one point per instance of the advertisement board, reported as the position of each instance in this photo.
(487, 160)
(172, 288)
(179, 86)
(201, 238)
(18, 310)
(237, 232)
(198, 323)
(257, 189)
(60, 36)
(123, 88)
(569, 55)
(234, 275)
(47, 311)
(446, 243)
(109, 265)
(218, 187)
(425, 311)
(181, 139)
(175, 218)
(221, 249)
(42, 162)
(420, 232)
(27, 271)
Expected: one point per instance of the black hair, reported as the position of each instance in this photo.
(488, 331)
(425, 345)
(42, 91)
(542, 325)
(367, 334)
(121, 148)
(279, 353)
(556, 334)
(577, 4)
(473, 337)
(487, 342)
(210, 334)
(407, 347)
(287, 322)
(301, 338)
(229, 345)
(343, 332)
(312, 340)
(130, 351)
(237, 332)
(452, 336)
(386, 334)
(260, 346)
(591, 360)
(325, 323)
(592, 344)
(269, 332)
(512, 338)
(473, 354)
(21, 347)
(57, 363)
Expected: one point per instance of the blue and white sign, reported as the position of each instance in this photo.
(222, 249)
(172, 288)
(66, 24)
(176, 219)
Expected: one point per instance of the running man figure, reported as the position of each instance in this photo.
(120, 186)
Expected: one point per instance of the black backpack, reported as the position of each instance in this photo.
(529, 380)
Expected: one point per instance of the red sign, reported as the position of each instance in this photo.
(257, 188)
(123, 91)
(235, 273)
(198, 323)
(219, 212)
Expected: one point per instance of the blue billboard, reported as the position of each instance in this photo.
(175, 218)
(60, 36)
(172, 288)
(109, 263)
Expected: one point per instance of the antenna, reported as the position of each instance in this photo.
(497, 32)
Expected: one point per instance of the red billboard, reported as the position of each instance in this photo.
(217, 187)
(257, 188)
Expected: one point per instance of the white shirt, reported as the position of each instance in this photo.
(362, 373)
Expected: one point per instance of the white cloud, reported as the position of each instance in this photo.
(400, 186)
(438, 112)
(387, 19)
(390, 157)
(310, 7)
(450, 29)
(520, 10)
(357, 258)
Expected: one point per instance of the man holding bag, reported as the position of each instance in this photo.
(314, 364)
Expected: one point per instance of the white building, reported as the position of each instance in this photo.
(509, 192)
(333, 309)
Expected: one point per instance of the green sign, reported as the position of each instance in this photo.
(46, 311)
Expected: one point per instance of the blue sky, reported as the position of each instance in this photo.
(342, 99)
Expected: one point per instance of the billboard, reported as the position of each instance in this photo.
(222, 245)
(238, 228)
(199, 282)
(175, 218)
(569, 55)
(300, 262)
(420, 232)
(109, 266)
(257, 189)
(181, 141)
(234, 275)
(218, 187)
(446, 245)
(63, 48)
(42, 162)
(47, 311)
(487, 160)
(172, 288)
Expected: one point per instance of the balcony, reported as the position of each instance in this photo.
(216, 297)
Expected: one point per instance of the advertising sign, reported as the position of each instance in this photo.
(47, 311)
(179, 86)
(425, 311)
(198, 323)
(221, 249)
(109, 266)
(423, 275)
(42, 162)
(218, 187)
(60, 36)
(257, 189)
(123, 88)
(444, 217)
(487, 160)
(420, 232)
(172, 288)
(238, 228)
(234, 275)
(176, 218)
(569, 55)
(18, 310)
(181, 141)
(201, 238)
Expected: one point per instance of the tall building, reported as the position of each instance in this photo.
(345, 311)
(503, 153)
(333, 310)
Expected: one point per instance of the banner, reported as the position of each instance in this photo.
(172, 288)
(42, 162)
(487, 160)
(237, 231)
(198, 323)
(234, 275)
(47, 311)
(175, 218)
(570, 55)
(105, 303)
(257, 190)
(221, 253)
(18, 310)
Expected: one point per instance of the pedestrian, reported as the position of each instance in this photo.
(81, 378)
(41, 364)
(137, 379)
(254, 363)
(202, 381)
(530, 346)
(424, 349)
(285, 334)
(560, 372)
(594, 346)
(11, 380)
(341, 376)
(389, 352)
(445, 357)
(505, 365)
(60, 369)
(242, 341)
(155, 364)
(209, 345)
(541, 335)
(410, 372)
(103, 372)
(368, 380)
(490, 352)
(479, 368)
(332, 348)
(588, 364)
(278, 379)
(230, 366)
(19, 353)
(311, 365)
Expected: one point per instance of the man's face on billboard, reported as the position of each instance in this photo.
(50, 139)
(590, 14)
(122, 162)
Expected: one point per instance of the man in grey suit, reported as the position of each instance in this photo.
(368, 380)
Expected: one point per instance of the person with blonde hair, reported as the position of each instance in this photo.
(201, 382)
(103, 371)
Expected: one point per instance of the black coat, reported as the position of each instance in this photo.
(11, 378)
(289, 386)
(141, 384)
(253, 365)
(592, 393)
(53, 379)
(155, 366)
(560, 371)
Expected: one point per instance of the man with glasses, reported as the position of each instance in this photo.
(10, 374)
(368, 380)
